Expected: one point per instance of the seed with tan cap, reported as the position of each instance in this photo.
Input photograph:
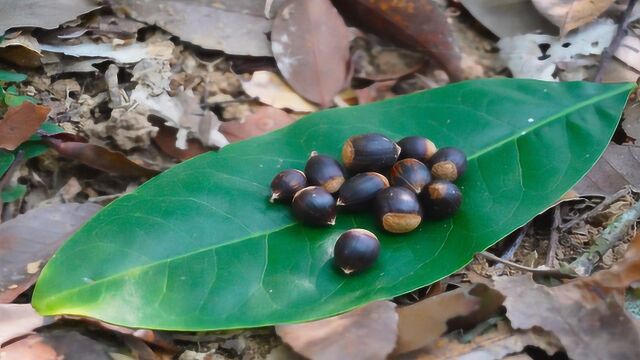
(358, 192)
(314, 205)
(369, 152)
(397, 209)
(448, 164)
(417, 147)
(441, 199)
(324, 171)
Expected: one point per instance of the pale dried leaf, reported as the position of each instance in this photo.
(262, 121)
(631, 122)
(571, 14)
(45, 14)
(30, 239)
(507, 18)
(618, 167)
(18, 320)
(124, 54)
(310, 43)
(367, 333)
(629, 51)
(270, 89)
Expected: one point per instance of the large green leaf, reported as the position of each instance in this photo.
(200, 247)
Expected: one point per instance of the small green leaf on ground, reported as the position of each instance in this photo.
(12, 193)
(10, 76)
(181, 243)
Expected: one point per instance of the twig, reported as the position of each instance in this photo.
(12, 169)
(547, 272)
(508, 255)
(621, 32)
(553, 237)
(615, 232)
(596, 210)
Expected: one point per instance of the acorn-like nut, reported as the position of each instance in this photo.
(358, 192)
(441, 199)
(324, 171)
(314, 205)
(286, 184)
(356, 250)
(410, 173)
(448, 163)
(369, 152)
(397, 209)
(417, 147)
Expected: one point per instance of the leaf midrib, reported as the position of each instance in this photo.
(541, 123)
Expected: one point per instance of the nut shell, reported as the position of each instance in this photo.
(286, 184)
(441, 199)
(356, 250)
(358, 192)
(417, 147)
(324, 171)
(448, 164)
(397, 209)
(315, 206)
(410, 173)
(369, 152)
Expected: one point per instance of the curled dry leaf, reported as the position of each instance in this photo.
(41, 13)
(262, 121)
(20, 122)
(17, 320)
(571, 14)
(166, 140)
(270, 89)
(29, 240)
(616, 169)
(367, 333)
(310, 43)
(99, 157)
(413, 23)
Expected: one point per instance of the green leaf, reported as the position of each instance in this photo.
(11, 98)
(49, 128)
(13, 193)
(32, 148)
(9, 76)
(200, 247)
(6, 159)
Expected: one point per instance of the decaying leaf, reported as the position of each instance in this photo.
(29, 240)
(233, 26)
(629, 51)
(269, 88)
(262, 121)
(124, 54)
(41, 13)
(17, 320)
(166, 141)
(631, 120)
(538, 56)
(616, 168)
(587, 315)
(22, 50)
(414, 23)
(507, 18)
(310, 43)
(571, 14)
(20, 122)
(367, 333)
(99, 157)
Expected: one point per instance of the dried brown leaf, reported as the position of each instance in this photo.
(17, 320)
(629, 51)
(571, 14)
(29, 240)
(618, 167)
(413, 23)
(166, 141)
(100, 158)
(41, 13)
(270, 89)
(264, 120)
(20, 122)
(367, 333)
(310, 43)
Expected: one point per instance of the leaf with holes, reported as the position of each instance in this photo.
(200, 247)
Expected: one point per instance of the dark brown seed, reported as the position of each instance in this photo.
(356, 250)
(358, 192)
(398, 209)
(417, 147)
(441, 199)
(286, 184)
(448, 164)
(324, 171)
(314, 205)
(369, 152)
(410, 173)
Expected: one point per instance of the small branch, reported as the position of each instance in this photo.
(596, 210)
(553, 237)
(508, 255)
(547, 272)
(621, 32)
(12, 169)
(615, 232)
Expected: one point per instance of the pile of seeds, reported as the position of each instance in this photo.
(418, 184)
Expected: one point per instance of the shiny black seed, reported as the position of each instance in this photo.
(324, 171)
(397, 209)
(417, 147)
(410, 173)
(358, 192)
(356, 250)
(441, 199)
(448, 164)
(369, 152)
(286, 184)
(314, 206)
